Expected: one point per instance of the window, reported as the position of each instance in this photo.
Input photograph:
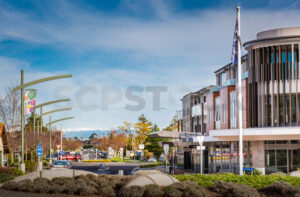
(209, 116)
(223, 113)
(217, 112)
(232, 110)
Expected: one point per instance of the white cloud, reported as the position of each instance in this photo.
(176, 50)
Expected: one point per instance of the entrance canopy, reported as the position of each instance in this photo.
(255, 134)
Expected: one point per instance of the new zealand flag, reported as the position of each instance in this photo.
(234, 55)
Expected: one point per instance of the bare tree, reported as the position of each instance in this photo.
(10, 109)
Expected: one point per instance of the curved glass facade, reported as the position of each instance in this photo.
(273, 79)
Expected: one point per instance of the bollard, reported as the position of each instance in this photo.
(41, 174)
(121, 173)
(73, 173)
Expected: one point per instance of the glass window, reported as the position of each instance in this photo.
(223, 112)
(217, 112)
(232, 109)
(209, 116)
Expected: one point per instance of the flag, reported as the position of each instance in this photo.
(29, 101)
(234, 55)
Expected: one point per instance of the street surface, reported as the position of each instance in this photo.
(113, 167)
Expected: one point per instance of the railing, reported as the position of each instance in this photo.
(197, 110)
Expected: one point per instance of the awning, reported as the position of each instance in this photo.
(164, 134)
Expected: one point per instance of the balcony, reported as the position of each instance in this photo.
(245, 75)
(197, 110)
(229, 82)
(215, 89)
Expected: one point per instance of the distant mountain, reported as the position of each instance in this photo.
(85, 133)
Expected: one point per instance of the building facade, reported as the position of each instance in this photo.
(270, 100)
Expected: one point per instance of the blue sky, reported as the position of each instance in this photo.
(106, 43)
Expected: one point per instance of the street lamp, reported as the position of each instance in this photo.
(21, 87)
(52, 122)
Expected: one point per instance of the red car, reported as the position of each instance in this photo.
(67, 156)
(78, 156)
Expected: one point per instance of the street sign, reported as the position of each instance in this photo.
(200, 139)
(200, 147)
(39, 150)
(248, 169)
(166, 149)
(141, 146)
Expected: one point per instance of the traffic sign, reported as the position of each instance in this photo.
(166, 149)
(39, 150)
(248, 169)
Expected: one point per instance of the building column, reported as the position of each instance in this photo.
(258, 155)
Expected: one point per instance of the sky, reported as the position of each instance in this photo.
(127, 57)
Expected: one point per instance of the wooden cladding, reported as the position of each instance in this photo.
(273, 86)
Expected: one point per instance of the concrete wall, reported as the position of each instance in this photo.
(258, 155)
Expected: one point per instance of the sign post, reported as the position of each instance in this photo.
(166, 151)
(200, 140)
(39, 153)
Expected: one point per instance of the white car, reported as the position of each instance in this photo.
(60, 164)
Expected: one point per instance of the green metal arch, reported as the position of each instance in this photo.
(56, 110)
(40, 81)
(51, 102)
(55, 121)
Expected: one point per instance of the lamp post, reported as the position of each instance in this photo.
(21, 87)
(52, 122)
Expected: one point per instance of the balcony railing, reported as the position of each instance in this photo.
(197, 110)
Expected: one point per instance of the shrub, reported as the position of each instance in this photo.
(86, 190)
(257, 181)
(42, 185)
(30, 166)
(9, 186)
(18, 172)
(6, 170)
(152, 190)
(46, 163)
(133, 191)
(6, 177)
(150, 165)
(171, 191)
(185, 189)
(235, 190)
(281, 188)
(25, 186)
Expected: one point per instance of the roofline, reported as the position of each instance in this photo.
(252, 42)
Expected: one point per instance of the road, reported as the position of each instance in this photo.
(113, 167)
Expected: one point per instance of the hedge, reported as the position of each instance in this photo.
(257, 181)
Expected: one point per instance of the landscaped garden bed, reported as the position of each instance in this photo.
(9, 173)
(190, 185)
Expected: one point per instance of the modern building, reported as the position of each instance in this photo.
(4, 149)
(270, 100)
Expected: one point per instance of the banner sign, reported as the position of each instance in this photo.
(29, 101)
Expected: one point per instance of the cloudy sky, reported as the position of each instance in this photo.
(120, 51)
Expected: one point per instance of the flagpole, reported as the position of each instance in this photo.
(241, 159)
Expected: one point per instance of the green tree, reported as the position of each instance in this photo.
(93, 136)
(155, 128)
(142, 129)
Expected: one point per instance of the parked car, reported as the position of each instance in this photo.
(53, 156)
(67, 156)
(77, 156)
(60, 164)
(152, 159)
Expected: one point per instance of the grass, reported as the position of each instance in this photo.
(151, 165)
